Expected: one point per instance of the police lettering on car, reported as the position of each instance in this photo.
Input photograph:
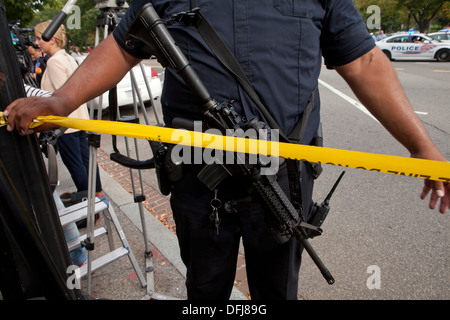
(414, 46)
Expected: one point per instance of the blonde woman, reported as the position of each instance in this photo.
(72, 146)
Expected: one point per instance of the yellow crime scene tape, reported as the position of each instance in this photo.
(410, 167)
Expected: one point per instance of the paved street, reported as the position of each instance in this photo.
(379, 234)
(378, 219)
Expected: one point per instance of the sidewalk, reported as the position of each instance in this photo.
(118, 280)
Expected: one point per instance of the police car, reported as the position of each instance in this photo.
(124, 88)
(443, 35)
(414, 46)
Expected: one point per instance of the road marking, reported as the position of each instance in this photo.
(399, 69)
(356, 103)
(348, 99)
(441, 70)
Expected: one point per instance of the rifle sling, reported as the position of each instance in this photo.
(224, 55)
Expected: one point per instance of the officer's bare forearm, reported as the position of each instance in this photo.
(100, 71)
(375, 83)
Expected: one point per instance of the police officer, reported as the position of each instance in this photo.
(279, 44)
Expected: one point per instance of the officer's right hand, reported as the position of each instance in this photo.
(23, 111)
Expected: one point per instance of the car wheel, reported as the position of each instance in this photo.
(443, 55)
(388, 54)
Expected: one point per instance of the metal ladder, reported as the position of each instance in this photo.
(80, 211)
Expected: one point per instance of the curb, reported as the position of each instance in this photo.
(162, 238)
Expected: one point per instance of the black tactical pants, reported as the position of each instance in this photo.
(210, 254)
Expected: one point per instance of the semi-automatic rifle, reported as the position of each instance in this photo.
(149, 29)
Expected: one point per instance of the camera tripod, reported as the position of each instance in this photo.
(110, 17)
(107, 21)
(110, 14)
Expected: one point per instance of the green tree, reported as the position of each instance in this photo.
(442, 19)
(392, 17)
(81, 33)
(84, 34)
(424, 11)
(24, 10)
(399, 15)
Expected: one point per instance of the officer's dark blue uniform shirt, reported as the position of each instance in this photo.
(279, 44)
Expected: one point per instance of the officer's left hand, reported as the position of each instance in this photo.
(439, 190)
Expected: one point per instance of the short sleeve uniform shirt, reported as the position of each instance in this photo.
(278, 43)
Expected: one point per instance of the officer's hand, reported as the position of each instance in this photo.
(439, 190)
(23, 111)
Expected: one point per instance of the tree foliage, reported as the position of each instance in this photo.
(424, 11)
(83, 34)
(397, 15)
(24, 10)
(391, 17)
